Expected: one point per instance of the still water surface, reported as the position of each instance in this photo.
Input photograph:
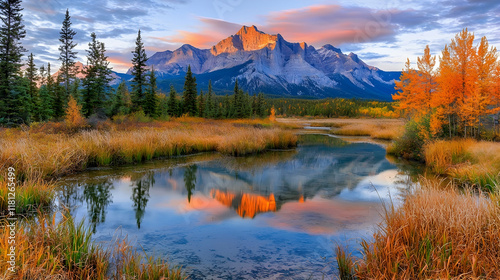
(278, 215)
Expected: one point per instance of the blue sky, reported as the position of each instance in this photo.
(382, 33)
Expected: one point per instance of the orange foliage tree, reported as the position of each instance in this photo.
(460, 93)
(74, 117)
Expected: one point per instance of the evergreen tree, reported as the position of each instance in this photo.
(32, 76)
(261, 110)
(67, 55)
(139, 70)
(97, 78)
(119, 106)
(43, 103)
(11, 85)
(238, 102)
(226, 107)
(254, 105)
(201, 105)
(173, 110)
(76, 92)
(246, 105)
(58, 105)
(151, 99)
(190, 93)
(162, 111)
(209, 106)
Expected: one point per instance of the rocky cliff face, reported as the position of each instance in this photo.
(269, 63)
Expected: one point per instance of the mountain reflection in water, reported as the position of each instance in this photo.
(223, 217)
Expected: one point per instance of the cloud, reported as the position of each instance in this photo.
(317, 25)
(337, 25)
(209, 33)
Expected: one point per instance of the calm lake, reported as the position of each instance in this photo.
(277, 215)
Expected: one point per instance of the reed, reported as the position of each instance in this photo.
(437, 233)
(469, 161)
(376, 129)
(29, 196)
(64, 250)
(37, 154)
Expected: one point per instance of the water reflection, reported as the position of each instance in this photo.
(97, 197)
(223, 216)
(190, 179)
(140, 195)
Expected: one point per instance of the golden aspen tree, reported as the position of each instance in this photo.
(427, 81)
(463, 59)
(406, 87)
(74, 117)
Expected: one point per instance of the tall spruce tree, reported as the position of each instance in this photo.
(97, 78)
(209, 106)
(172, 104)
(12, 31)
(201, 105)
(151, 99)
(120, 100)
(139, 70)
(261, 110)
(32, 76)
(67, 55)
(44, 102)
(190, 93)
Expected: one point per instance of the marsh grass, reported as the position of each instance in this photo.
(469, 161)
(436, 234)
(29, 196)
(64, 250)
(46, 155)
(375, 129)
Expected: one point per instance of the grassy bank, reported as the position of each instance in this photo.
(469, 161)
(37, 154)
(46, 250)
(436, 234)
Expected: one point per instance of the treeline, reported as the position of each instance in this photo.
(332, 107)
(459, 97)
(37, 95)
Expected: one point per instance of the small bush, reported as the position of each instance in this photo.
(411, 144)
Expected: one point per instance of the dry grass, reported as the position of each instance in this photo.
(384, 129)
(49, 250)
(436, 234)
(38, 154)
(470, 161)
(377, 130)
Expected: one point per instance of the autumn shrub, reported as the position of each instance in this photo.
(410, 145)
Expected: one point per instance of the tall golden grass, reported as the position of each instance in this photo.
(436, 234)
(49, 250)
(377, 130)
(469, 161)
(45, 155)
(29, 196)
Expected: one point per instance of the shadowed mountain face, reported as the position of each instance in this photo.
(269, 63)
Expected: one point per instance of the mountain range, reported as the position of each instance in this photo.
(268, 63)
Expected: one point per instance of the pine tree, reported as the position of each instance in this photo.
(201, 105)
(226, 107)
(172, 103)
(67, 54)
(190, 93)
(12, 31)
(139, 70)
(261, 111)
(58, 105)
(43, 110)
(209, 106)
(119, 106)
(76, 92)
(237, 102)
(151, 99)
(97, 78)
(32, 76)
